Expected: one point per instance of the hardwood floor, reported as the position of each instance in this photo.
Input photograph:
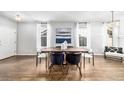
(23, 68)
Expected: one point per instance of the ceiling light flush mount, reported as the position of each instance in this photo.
(18, 18)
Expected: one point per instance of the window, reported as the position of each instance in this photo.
(43, 34)
(82, 41)
(82, 31)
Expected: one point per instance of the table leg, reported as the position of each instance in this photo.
(93, 59)
(65, 58)
(81, 66)
(37, 60)
(48, 59)
(40, 60)
(46, 62)
(84, 62)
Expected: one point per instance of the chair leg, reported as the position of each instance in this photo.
(104, 55)
(89, 60)
(50, 68)
(79, 70)
(93, 60)
(122, 59)
(36, 61)
(40, 60)
(67, 65)
(62, 69)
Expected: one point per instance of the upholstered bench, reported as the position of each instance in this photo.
(114, 52)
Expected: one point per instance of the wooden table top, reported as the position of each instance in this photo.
(46, 50)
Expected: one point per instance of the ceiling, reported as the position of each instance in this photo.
(76, 16)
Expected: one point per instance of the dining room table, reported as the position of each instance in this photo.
(47, 51)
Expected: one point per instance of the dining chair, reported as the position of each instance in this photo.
(39, 56)
(89, 55)
(57, 58)
(74, 59)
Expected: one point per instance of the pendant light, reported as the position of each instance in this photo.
(18, 18)
(112, 23)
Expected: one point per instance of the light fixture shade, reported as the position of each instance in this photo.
(18, 18)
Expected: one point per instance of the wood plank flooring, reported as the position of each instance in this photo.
(22, 68)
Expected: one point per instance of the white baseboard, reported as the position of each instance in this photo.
(7, 57)
(98, 54)
(25, 54)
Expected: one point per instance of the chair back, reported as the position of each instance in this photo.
(73, 58)
(57, 58)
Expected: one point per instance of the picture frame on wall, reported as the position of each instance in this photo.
(63, 34)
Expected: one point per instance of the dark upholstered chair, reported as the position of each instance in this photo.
(74, 59)
(57, 58)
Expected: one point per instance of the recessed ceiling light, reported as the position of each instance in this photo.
(18, 18)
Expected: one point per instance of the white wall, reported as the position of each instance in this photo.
(7, 37)
(121, 33)
(26, 39)
(38, 37)
(95, 30)
(27, 36)
(115, 35)
(97, 37)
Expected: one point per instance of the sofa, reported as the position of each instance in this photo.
(114, 53)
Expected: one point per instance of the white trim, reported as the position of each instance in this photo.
(25, 55)
(99, 54)
(7, 57)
